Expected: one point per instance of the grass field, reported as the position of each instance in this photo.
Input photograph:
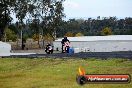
(58, 73)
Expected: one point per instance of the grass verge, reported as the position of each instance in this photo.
(58, 73)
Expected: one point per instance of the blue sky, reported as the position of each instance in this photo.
(94, 8)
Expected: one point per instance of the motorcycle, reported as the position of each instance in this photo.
(66, 47)
(49, 49)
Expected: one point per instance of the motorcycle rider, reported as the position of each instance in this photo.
(65, 44)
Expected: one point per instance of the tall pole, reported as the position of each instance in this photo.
(43, 37)
(21, 36)
(22, 45)
(5, 36)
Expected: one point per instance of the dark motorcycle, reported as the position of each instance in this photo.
(49, 49)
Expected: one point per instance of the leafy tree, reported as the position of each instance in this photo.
(79, 34)
(106, 31)
(36, 37)
(13, 28)
(10, 35)
(93, 27)
(48, 37)
(51, 14)
(49, 11)
(5, 9)
(69, 34)
(34, 26)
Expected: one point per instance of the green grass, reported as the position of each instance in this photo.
(58, 73)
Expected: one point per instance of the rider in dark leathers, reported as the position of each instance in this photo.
(64, 40)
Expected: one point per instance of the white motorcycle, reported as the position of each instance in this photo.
(49, 49)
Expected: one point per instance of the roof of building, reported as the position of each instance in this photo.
(99, 38)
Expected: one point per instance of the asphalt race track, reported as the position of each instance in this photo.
(103, 55)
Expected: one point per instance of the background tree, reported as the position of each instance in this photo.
(93, 27)
(79, 34)
(69, 34)
(6, 7)
(34, 26)
(10, 35)
(48, 38)
(106, 31)
(51, 14)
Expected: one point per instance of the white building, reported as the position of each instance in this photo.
(5, 49)
(110, 43)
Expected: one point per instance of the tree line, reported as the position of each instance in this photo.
(41, 16)
(96, 27)
(44, 18)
